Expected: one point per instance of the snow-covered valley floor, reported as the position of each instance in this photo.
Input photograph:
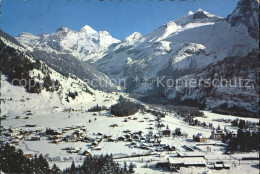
(42, 111)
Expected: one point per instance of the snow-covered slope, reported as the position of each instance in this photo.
(32, 81)
(78, 43)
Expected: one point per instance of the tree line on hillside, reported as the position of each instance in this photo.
(125, 107)
(17, 67)
(97, 108)
(182, 110)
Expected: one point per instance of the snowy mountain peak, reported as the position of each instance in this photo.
(133, 37)
(190, 13)
(105, 33)
(77, 43)
(63, 29)
(88, 29)
(200, 10)
(199, 16)
(25, 34)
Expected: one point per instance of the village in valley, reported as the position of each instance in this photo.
(179, 98)
(155, 139)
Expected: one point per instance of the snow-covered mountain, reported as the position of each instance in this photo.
(21, 69)
(187, 47)
(183, 47)
(77, 43)
(26, 77)
(195, 40)
(63, 50)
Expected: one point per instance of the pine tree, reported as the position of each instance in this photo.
(55, 169)
(73, 168)
(131, 168)
(125, 167)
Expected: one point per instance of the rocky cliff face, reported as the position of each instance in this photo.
(247, 12)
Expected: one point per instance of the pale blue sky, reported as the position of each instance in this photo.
(120, 18)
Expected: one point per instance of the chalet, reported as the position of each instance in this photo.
(139, 132)
(98, 139)
(218, 166)
(65, 130)
(199, 138)
(56, 141)
(127, 131)
(9, 134)
(143, 146)
(135, 137)
(217, 134)
(30, 125)
(69, 127)
(54, 137)
(166, 133)
(190, 154)
(177, 163)
(86, 139)
(110, 140)
(160, 125)
(35, 138)
(74, 150)
(86, 153)
(78, 133)
(121, 139)
(159, 149)
(156, 144)
(107, 136)
(13, 130)
(100, 134)
(226, 166)
(95, 143)
(170, 148)
(28, 155)
(133, 144)
(142, 139)
(98, 148)
(129, 140)
(15, 141)
(127, 136)
(114, 125)
(151, 140)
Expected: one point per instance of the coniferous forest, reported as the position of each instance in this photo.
(12, 160)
